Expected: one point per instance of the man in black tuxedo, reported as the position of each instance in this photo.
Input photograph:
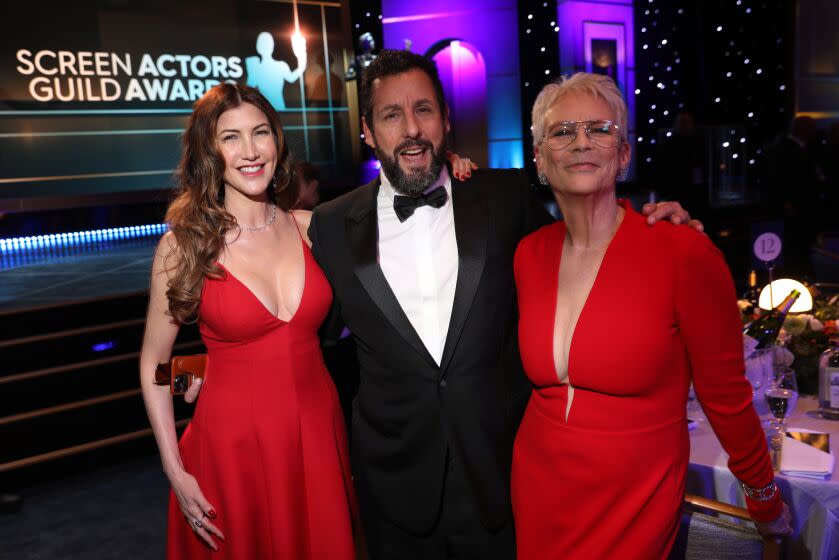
(421, 266)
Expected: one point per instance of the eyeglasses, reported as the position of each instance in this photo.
(603, 133)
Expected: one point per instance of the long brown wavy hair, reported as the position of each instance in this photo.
(197, 216)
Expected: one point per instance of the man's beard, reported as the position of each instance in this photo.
(416, 182)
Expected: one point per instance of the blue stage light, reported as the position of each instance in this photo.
(79, 238)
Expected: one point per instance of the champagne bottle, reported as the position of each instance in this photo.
(763, 331)
(829, 381)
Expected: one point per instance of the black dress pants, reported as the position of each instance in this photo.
(457, 534)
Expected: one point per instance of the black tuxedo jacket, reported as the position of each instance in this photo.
(409, 412)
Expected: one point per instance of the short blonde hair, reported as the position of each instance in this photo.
(595, 85)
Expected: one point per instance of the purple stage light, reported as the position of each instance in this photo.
(585, 27)
(487, 30)
(463, 73)
(103, 346)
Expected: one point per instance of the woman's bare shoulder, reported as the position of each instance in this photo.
(167, 246)
(167, 254)
(303, 219)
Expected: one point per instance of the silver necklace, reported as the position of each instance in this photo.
(263, 226)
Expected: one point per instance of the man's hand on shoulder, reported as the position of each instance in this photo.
(671, 210)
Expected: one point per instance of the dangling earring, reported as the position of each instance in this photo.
(543, 179)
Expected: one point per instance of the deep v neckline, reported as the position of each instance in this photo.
(563, 231)
(259, 301)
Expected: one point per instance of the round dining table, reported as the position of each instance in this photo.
(814, 503)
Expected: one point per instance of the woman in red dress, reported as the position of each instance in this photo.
(616, 319)
(262, 469)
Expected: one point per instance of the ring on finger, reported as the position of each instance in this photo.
(197, 522)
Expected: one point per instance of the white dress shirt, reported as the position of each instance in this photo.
(419, 260)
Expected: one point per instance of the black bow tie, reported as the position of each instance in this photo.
(404, 206)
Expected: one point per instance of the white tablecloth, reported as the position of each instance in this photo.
(814, 503)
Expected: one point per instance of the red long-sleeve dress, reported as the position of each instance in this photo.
(608, 481)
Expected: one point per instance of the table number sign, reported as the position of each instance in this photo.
(767, 247)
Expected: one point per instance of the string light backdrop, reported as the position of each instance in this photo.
(728, 62)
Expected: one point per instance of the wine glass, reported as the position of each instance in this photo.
(782, 396)
(758, 370)
(759, 366)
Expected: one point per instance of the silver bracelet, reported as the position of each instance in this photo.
(760, 494)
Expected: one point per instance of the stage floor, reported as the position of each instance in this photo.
(39, 278)
(115, 512)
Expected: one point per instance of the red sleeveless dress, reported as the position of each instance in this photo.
(267, 442)
(608, 480)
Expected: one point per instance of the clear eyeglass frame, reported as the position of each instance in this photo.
(604, 133)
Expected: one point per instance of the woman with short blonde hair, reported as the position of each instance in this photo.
(615, 320)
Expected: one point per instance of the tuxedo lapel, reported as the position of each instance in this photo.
(362, 234)
(471, 229)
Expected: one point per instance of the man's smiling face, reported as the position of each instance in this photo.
(408, 131)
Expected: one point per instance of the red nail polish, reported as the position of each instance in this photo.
(211, 514)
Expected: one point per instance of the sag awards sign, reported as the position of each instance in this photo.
(109, 76)
(65, 74)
